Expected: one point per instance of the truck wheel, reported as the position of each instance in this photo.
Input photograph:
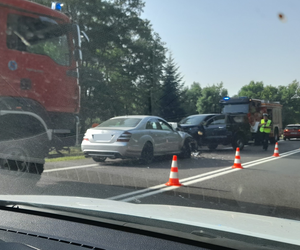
(8, 165)
(212, 146)
(22, 166)
(14, 159)
(35, 168)
(186, 150)
(99, 158)
(275, 138)
(238, 142)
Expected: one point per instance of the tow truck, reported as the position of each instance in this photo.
(39, 89)
(254, 108)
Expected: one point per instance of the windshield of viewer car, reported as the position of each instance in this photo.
(93, 118)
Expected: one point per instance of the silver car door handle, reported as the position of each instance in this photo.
(221, 127)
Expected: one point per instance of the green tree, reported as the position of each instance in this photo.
(209, 101)
(190, 98)
(291, 107)
(252, 90)
(270, 93)
(171, 99)
(149, 82)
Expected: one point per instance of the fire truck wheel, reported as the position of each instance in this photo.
(275, 138)
(35, 168)
(16, 159)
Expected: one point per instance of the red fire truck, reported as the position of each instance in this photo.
(39, 88)
(254, 109)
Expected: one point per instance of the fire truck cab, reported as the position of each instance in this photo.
(254, 108)
(39, 87)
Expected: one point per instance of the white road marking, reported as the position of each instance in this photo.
(187, 181)
(210, 176)
(136, 192)
(191, 178)
(73, 167)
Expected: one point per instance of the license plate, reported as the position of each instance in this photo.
(293, 133)
(102, 137)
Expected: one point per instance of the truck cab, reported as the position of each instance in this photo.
(39, 83)
(254, 109)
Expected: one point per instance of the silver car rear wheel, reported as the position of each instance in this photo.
(99, 158)
(147, 153)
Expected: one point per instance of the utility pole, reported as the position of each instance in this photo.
(152, 83)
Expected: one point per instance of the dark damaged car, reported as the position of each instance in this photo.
(212, 130)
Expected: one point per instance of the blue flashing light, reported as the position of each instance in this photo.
(226, 98)
(56, 6)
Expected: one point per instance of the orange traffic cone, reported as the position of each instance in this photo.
(237, 160)
(174, 180)
(276, 150)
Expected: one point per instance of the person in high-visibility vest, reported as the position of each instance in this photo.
(265, 129)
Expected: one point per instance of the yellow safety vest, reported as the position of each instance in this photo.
(266, 130)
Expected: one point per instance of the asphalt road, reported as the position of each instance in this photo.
(266, 185)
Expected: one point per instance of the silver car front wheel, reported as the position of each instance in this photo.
(186, 150)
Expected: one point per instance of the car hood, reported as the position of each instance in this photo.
(187, 125)
(270, 228)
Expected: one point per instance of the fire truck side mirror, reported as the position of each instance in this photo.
(78, 54)
(77, 38)
(85, 36)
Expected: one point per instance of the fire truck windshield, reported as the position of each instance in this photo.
(38, 35)
(235, 108)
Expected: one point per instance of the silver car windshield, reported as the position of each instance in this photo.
(121, 122)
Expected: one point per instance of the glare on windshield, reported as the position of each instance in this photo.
(121, 122)
(193, 120)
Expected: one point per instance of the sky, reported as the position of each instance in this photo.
(230, 41)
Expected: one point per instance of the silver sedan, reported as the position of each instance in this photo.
(140, 137)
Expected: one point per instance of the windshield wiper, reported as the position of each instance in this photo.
(22, 38)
